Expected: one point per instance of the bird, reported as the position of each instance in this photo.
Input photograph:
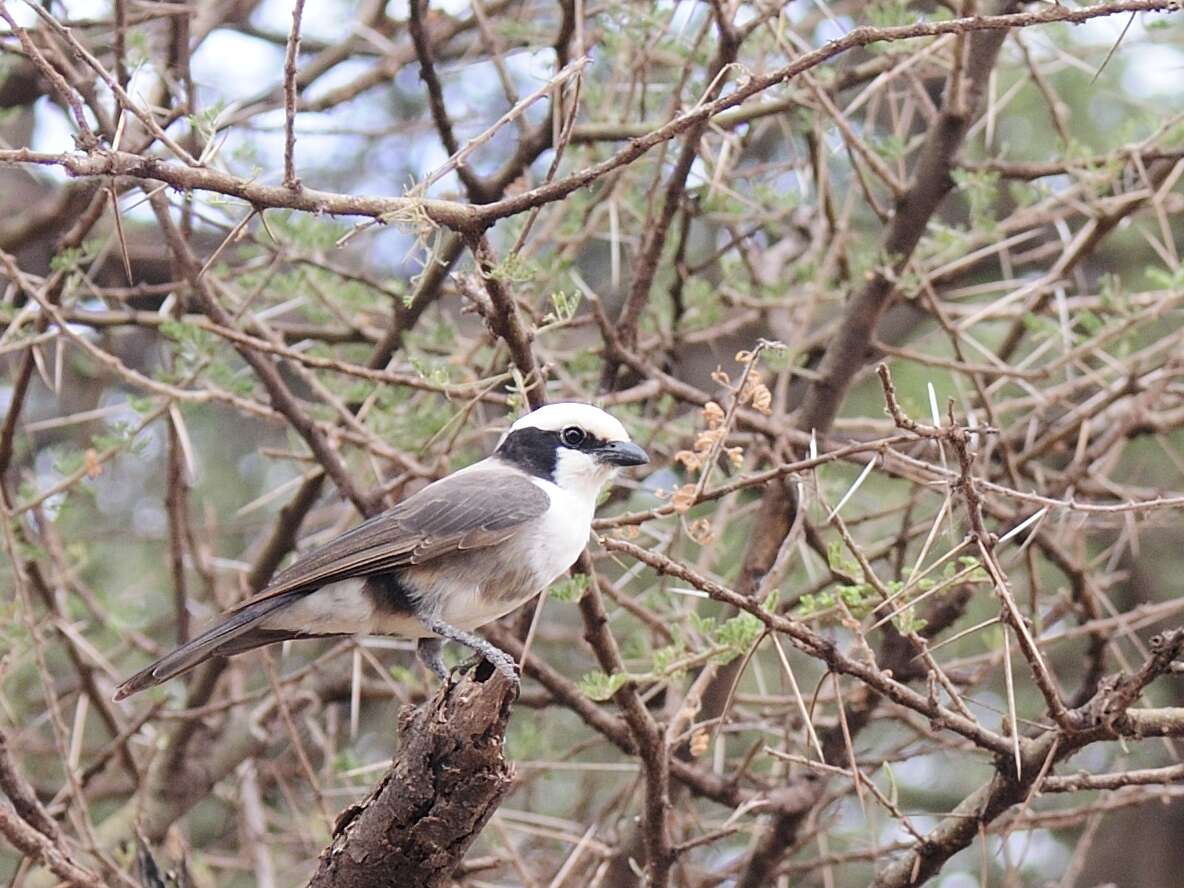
(459, 553)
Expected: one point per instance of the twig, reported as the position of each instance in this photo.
(291, 54)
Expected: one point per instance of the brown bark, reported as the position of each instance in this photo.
(443, 785)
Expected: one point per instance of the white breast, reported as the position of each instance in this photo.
(561, 533)
(499, 580)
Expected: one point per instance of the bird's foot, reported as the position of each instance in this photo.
(495, 656)
(429, 651)
(509, 670)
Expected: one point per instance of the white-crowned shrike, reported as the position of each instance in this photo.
(458, 554)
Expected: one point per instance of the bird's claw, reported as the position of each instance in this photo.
(429, 652)
(507, 668)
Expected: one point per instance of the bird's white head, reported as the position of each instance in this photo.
(576, 446)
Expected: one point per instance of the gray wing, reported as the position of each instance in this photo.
(469, 510)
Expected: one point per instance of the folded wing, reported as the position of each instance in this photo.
(472, 509)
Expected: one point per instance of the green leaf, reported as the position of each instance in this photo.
(565, 304)
(666, 657)
(515, 269)
(67, 462)
(141, 403)
(890, 13)
(570, 589)
(705, 626)
(600, 687)
(67, 259)
(738, 634)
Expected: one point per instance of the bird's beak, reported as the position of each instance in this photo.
(621, 453)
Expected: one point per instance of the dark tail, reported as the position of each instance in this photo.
(236, 633)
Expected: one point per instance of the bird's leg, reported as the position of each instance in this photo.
(428, 650)
(499, 659)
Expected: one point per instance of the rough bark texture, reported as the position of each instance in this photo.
(444, 783)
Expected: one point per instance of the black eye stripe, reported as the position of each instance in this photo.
(537, 451)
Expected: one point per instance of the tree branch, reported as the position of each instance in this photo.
(444, 784)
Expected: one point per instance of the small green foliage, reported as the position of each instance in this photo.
(810, 604)
(314, 233)
(1023, 194)
(943, 241)
(570, 589)
(353, 296)
(174, 329)
(1165, 279)
(1089, 322)
(205, 122)
(137, 47)
(1039, 324)
(907, 622)
(346, 760)
(430, 371)
(1111, 294)
(858, 598)
(890, 13)
(564, 305)
(194, 344)
(836, 558)
(67, 260)
(665, 660)
(514, 269)
(978, 572)
(855, 595)
(705, 626)
(776, 198)
(981, 190)
(247, 155)
(67, 461)
(439, 335)
(120, 436)
(142, 404)
(600, 687)
(891, 147)
(355, 391)
(25, 550)
(238, 381)
(738, 634)
(703, 305)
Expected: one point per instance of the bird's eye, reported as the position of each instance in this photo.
(573, 436)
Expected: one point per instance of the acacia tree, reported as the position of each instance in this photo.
(890, 291)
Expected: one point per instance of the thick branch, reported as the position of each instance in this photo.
(444, 784)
